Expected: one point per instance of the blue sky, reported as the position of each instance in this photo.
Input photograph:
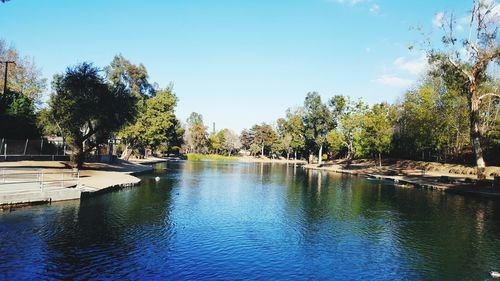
(237, 62)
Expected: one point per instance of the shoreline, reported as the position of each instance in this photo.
(418, 178)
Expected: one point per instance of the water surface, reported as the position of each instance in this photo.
(212, 221)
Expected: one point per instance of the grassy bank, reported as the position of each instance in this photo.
(211, 157)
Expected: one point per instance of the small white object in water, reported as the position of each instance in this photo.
(157, 179)
(495, 274)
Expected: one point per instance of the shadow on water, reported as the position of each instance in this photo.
(212, 220)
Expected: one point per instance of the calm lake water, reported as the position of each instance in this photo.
(212, 221)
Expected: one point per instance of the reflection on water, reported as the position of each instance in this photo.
(209, 220)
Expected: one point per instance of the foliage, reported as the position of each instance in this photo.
(377, 131)
(157, 125)
(264, 137)
(17, 117)
(196, 135)
(211, 157)
(24, 76)
(88, 109)
(121, 72)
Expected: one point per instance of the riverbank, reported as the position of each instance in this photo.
(94, 178)
(450, 178)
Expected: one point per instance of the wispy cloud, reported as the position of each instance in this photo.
(375, 9)
(412, 66)
(393, 81)
(438, 20)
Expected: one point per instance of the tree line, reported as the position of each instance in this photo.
(451, 115)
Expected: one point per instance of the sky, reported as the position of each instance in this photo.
(237, 62)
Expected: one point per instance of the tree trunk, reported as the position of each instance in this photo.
(287, 155)
(127, 153)
(295, 157)
(380, 160)
(262, 152)
(475, 133)
(320, 155)
(78, 157)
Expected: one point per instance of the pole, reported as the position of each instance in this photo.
(5, 152)
(25, 147)
(5, 75)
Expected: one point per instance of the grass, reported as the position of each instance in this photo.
(211, 157)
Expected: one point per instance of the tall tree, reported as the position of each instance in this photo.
(377, 131)
(348, 116)
(132, 77)
(317, 122)
(468, 59)
(196, 135)
(88, 109)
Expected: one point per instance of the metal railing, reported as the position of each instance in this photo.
(19, 177)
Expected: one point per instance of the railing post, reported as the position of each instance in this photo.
(25, 147)
(5, 152)
(41, 179)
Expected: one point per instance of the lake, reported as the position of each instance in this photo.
(213, 221)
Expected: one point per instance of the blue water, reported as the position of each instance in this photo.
(235, 221)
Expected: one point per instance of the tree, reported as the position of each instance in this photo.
(24, 77)
(17, 115)
(88, 109)
(481, 48)
(377, 131)
(132, 77)
(348, 115)
(157, 124)
(317, 122)
(265, 136)
(291, 132)
(336, 142)
(230, 141)
(196, 136)
(246, 138)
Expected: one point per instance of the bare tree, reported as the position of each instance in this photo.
(469, 59)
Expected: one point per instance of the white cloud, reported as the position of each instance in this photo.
(415, 66)
(438, 20)
(393, 81)
(375, 9)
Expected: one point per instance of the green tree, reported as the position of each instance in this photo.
(246, 139)
(348, 115)
(196, 135)
(377, 131)
(157, 124)
(317, 122)
(336, 142)
(88, 109)
(264, 137)
(132, 77)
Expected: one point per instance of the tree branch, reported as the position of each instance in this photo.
(464, 71)
(488, 94)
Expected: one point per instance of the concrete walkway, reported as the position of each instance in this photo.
(94, 178)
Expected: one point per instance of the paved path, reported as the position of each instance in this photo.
(95, 177)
